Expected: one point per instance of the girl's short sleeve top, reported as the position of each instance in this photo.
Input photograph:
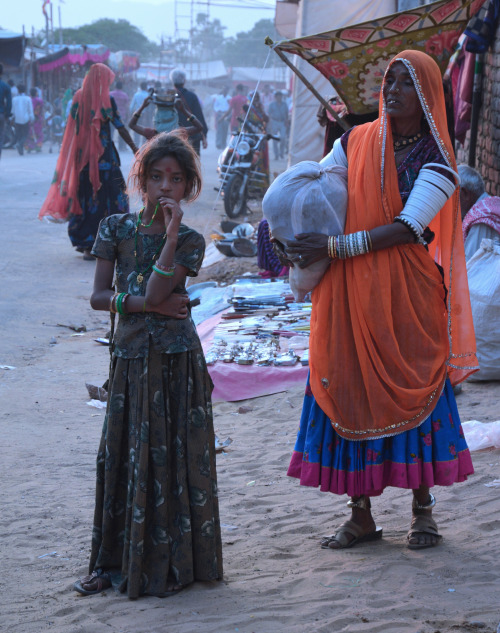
(116, 241)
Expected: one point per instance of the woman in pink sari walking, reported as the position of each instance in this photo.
(34, 141)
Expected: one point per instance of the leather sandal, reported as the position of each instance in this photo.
(422, 524)
(100, 578)
(349, 528)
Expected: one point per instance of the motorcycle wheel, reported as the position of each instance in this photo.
(234, 203)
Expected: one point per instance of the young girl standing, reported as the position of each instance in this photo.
(156, 516)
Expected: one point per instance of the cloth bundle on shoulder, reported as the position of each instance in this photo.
(307, 198)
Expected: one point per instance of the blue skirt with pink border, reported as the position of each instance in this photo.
(433, 454)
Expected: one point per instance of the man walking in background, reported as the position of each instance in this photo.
(221, 107)
(278, 122)
(236, 104)
(22, 110)
(5, 107)
(122, 100)
(192, 103)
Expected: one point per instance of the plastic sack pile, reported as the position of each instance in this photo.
(480, 435)
(307, 198)
(483, 272)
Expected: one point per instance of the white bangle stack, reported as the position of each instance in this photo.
(430, 192)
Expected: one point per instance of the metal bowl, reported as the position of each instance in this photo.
(242, 247)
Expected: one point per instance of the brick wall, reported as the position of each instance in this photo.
(488, 135)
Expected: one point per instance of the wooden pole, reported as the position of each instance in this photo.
(308, 85)
(476, 106)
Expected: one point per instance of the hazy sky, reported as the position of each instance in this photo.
(154, 17)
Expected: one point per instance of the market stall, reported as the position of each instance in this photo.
(258, 344)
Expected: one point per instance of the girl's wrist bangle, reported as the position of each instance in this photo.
(112, 308)
(166, 269)
(163, 273)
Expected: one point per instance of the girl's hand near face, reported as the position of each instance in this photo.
(172, 214)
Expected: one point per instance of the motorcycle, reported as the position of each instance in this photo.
(240, 169)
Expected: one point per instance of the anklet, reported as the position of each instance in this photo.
(363, 503)
(430, 504)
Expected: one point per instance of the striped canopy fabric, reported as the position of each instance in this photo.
(354, 58)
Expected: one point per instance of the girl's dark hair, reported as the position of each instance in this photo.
(172, 144)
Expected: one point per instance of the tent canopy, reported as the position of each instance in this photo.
(72, 54)
(354, 58)
(11, 47)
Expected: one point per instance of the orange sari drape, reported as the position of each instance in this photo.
(382, 338)
(81, 144)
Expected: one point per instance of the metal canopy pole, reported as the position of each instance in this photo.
(308, 85)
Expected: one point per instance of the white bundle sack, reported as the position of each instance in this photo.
(307, 198)
(483, 273)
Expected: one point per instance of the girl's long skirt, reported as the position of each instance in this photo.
(434, 453)
(156, 515)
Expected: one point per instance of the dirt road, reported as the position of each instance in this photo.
(276, 576)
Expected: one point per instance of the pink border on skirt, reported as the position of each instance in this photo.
(375, 478)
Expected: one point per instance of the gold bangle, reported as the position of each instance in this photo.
(111, 308)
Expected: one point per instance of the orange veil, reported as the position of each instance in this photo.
(382, 338)
(81, 144)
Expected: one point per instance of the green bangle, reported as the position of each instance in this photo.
(162, 273)
(119, 303)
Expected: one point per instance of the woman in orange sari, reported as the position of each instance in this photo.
(391, 326)
(88, 184)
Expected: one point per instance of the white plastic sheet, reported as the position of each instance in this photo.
(483, 272)
(481, 435)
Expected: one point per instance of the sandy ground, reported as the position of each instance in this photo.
(276, 576)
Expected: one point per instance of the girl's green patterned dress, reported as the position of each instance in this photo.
(156, 515)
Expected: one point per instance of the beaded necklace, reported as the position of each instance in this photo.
(141, 213)
(407, 140)
(140, 276)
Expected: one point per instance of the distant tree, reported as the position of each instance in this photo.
(117, 35)
(248, 48)
(207, 38)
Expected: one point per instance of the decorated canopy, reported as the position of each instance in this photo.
(355, 57)
(73, 54)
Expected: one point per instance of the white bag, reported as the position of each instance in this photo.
(307, 198)
(483, 272)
